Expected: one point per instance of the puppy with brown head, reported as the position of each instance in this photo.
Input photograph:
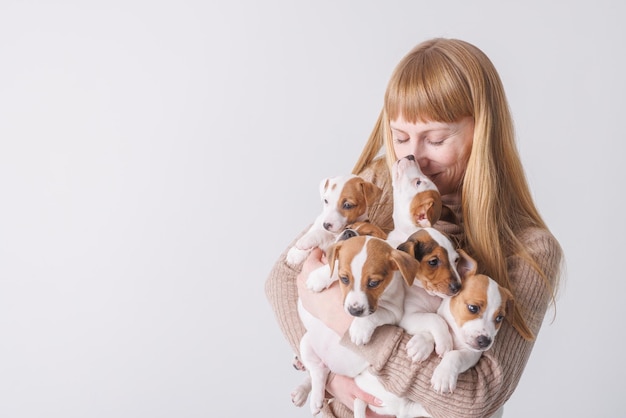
(371, 275)
(345, 199)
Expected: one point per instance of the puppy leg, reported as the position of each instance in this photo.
(299, 394)
(430, 332)
(452, 364)
(318, 372)
(320, 278)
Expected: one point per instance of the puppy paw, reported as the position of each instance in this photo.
(296, 256)
(297, 364)
(319, 279)
(361, 331)
(419, 347)
(299, 395)
(443, 380)
(443, 345)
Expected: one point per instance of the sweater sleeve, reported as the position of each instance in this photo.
(485, 387)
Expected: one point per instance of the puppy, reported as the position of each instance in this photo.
(416, 200)
(346, 199)
(322, 277)
(474, 316)
(372, 277)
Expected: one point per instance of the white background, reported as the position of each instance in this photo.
(157, 156)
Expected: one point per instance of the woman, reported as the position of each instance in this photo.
(446, 106)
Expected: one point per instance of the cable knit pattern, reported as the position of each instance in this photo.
(481, 390)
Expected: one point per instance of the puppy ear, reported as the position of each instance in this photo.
(466, 265)
(408, 247)
(407, 265)
(332, 255)
(324, 185)
(507, 299)
(371, 192)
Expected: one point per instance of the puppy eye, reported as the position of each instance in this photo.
(347, 205)
(344, 280)
(433, 262)
(418, 182)
(373, 283)
(499, 318)
(473, 309)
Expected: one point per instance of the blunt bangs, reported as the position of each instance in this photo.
(427, 86)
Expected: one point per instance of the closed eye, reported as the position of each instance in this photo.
(344, 279)
(347, 205)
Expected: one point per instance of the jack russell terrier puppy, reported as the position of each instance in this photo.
(372, 277)
(474, 316)
(416, 200)
(345, 199)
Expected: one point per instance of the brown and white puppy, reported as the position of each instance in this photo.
(322, 277)
(441, 266)
(372, 277)
(416, 200)
(345, 199)
(473, 316)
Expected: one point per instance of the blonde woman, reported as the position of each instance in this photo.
(446, 106)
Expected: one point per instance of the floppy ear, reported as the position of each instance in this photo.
(371, 192)
(427, 210)
(407, 265)
(408, 247)
(508, 299)
(467, 265)
(333, 254)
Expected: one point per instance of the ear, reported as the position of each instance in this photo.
(333, 254)
(324, 185)
(508, 299)
(407, 265)
(467, 265)
(371, 192)
(408, 247)
(423, 215)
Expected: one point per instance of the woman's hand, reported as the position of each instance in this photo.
(326, 305)
(345, 390)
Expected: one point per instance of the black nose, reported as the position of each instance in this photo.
(455, 287)
(483, 341)
(348, 233)
(410, 157)
(327, 226)
(356, 310)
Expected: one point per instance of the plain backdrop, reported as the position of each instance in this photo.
(157, 156)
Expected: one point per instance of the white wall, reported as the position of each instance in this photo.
(157, 156)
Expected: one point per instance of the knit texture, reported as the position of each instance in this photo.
(482, 389)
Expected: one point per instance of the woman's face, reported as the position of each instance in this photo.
(441, 149)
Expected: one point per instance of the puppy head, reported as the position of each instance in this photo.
(479, 309)
(439, 262)
(416, 197)
(366, 267)
(346, 199)
(362, 228)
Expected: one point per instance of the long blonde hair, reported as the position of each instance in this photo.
(444, 80)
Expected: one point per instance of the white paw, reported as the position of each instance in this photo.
(361, 331)
(443, 345)
(419, 347)
(316, 404)
(299, 395)
(319, 279)
(443, 380)
(296, 256)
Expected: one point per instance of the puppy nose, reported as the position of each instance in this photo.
(455, 287)
(348, 233)
(356, 310)
(483, 341)
(327, 226)
(410, 157)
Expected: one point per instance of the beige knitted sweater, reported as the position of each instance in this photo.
(481, 390)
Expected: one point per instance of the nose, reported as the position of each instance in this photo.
(483, 341)
(356, 310)
(410, 157)
(454, 287)
(348, 233)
